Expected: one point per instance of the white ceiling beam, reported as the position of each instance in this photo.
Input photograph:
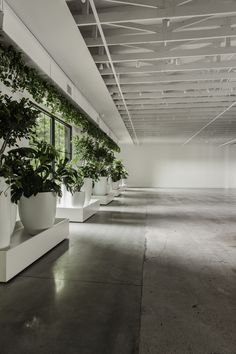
(161, 119)
(166, 54)
(162, 37)
(172, 67)
(131, 26)
(146, 3)
(161, 112)
(176, 95)
(179, 100)
(209, 8)
(176, 87)
(178, 115)
(172, 78)
(200, 23)
(174, 105)
(190, 22)
(138, 28)
(140, 3)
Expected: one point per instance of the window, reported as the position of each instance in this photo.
(56, 132)
(63, 139)
(43, 129)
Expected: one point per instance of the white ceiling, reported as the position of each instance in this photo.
(169, 65)
(52, 24)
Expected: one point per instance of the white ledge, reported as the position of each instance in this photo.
(26, 249)
(78, 214)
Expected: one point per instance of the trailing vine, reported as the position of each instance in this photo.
(17, 75)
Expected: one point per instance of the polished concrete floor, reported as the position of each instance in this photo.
(152, 273)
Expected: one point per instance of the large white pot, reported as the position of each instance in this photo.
(5, 225)
(87, 188)
(7, 216)
(123, 182)
(13, 215)
(37, 213)
(78, 199)
(62, 200)
(109, 185)
(100, 187)
(115, 185)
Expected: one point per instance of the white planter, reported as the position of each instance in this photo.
(5, 227)
(87, 188)
(109, 185)
(78, 199)
(37, 213)
(7, 216)
(13, 215)
(123, 182)
(62, 200)
(115, 185)
(100, 187)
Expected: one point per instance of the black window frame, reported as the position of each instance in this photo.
(53, 120)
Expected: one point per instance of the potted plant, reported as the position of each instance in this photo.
(35, 175)
(124, 176)
(88, 150)
(17, 121)
(83, 147)
(117, 172)
(74, 183)
(104, 158)
(90, 174)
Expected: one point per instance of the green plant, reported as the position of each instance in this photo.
(94, 154)
(83, 149)
(17, 121)
(89, 170)
(75, 180)
(118, 171)
(33, 170)
(103, 159)
(14, 73)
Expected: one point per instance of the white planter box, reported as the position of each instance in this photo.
(116, 192)
(104, 199)
(26, 249)
(100, 187)
(78, 214)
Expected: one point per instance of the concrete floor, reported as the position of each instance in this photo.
(152, 273)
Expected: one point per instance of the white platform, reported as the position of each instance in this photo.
(104, 199)
(122, 188)
(26, 249)
(78, 214)
(116, 192)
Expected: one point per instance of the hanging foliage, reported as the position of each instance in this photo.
(18, 76)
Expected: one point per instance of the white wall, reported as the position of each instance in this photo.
(177, 166)
(231, 166)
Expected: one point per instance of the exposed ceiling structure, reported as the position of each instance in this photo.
(169, 65)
